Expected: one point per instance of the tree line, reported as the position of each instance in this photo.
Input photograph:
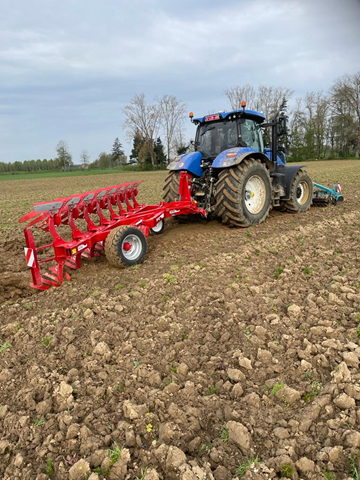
(321, 125)
(64, 160)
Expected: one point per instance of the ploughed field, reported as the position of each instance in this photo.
(227, 350)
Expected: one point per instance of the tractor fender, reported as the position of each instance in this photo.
(234, 156)
(290, 173)
(191, 162)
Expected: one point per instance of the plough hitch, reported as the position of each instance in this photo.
(128, 223)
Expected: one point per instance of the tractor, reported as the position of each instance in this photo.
(234, 175)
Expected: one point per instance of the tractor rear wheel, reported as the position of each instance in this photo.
(301, 193)
(125, 246)
(243, 194)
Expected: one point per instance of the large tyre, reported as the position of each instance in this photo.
(125, 246)
(171, 194)
(171, 187)
(301, 193)
(243, 194)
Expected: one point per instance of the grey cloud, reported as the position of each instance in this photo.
(68, 68)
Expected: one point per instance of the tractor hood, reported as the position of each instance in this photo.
(190, 162)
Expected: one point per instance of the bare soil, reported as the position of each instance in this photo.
(223, 346)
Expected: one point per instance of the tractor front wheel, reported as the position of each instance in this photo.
(301, 193)
(243, 194)
(171, 193)
(125, 246)
(171, 187)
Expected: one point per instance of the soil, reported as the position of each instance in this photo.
(229, 353)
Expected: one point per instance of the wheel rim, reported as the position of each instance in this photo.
(131, 247)
(255, 194)
(158, 226)
(302, 192)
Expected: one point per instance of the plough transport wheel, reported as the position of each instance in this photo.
(125, 246)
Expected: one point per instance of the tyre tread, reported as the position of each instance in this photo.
(112, 244)
(291, 205)
(229, 204)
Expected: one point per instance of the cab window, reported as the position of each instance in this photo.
(251, 135)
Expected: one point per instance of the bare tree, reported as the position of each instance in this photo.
(346, 100)
(84, 157)
(144, 119)
(180, 145)
(316, 108)
(266, 99)
(238, 94)
(269, 99)
(173, 114)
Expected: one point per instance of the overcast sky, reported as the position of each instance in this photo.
(67, 68)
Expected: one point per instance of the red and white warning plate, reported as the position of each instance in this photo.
(30, 257)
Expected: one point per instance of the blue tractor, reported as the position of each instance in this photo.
(234, 176)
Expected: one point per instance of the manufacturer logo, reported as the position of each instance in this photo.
(81, 247)
(181, 164)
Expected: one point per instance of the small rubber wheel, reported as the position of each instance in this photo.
(125, 246)
(159, 228)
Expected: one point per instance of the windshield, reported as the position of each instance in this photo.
(215, 137)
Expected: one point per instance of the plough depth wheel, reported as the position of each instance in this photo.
(159, 228)
(125, 246)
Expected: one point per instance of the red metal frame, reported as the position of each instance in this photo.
(66, 255)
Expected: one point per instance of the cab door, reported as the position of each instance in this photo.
(251, 135)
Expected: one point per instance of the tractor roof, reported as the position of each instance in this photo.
(250, 114)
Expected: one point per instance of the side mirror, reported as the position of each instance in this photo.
(282, 126)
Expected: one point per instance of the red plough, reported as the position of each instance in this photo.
(127, 225)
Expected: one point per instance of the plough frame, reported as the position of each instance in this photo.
(65, 211)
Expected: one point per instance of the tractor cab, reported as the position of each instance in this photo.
(225, 130)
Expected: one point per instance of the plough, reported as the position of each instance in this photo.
(122, 233)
